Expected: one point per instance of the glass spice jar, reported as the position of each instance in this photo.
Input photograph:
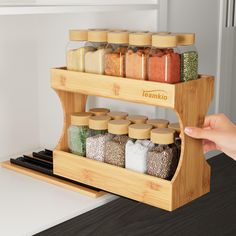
(98, 136)
(115, 148)
(137, 54)
(176, 128)
(94, 61)
(137, 147)
(99, 111)
(115, 60)
(137, 119)
(117, 115)
(78, 133)
(76, 50)
(162, 159)
(164, 59)
(158, 123)
(189, 56)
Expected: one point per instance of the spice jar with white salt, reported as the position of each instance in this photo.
(137, 119)
(115, 148)
(78, 133)
(99, 111)
(95, 61)
(162, 159)
(98, 136)
(158, 123)
(118, 115)
(136, 150)
(76, 50)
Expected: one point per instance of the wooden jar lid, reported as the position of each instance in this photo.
(140, 131)
(117, 115)
(162, 136)
(99, 122)
(140, 39)
(137, 119)
(185, 39)
(118, 37)
(80, 118)
(118, 126)
(164, 41)
(99, 111)
(175, 127)
(158, 123)
(99, 36)
(78, 35)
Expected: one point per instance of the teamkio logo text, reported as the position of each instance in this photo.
(156, 94)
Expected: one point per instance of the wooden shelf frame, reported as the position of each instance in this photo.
(190, 100)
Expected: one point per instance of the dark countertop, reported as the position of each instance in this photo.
(212, 214)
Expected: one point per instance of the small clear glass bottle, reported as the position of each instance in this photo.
(189, 56)
(164, 59)
(76, 50)
(137, 147)
(115, 60)
(98, 136)
(162, 159)
(99, 111)
(95, 61)
(158, 123)
(118, 115)
(115, 148)
(137, 119)
(137, 54)
(78, 133)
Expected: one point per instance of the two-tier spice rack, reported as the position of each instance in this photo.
(190, 100)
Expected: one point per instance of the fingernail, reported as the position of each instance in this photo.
(188, 130)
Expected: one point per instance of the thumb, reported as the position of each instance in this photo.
(199, 133)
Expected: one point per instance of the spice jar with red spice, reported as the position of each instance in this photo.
(164, 59)
(137, 55)
(115, 60)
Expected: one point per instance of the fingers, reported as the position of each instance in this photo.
(199, 133)
(208, 146)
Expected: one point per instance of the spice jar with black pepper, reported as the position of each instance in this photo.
(158, 123)
(98, 136)
(78, 133)
(76, 50)
(137, 147)
(162, 159)
(137, 119)
(115, 148)
(115, 60)
(137, 54)
(117, 115)
(189, 56)
(164, 59)
(99, 111)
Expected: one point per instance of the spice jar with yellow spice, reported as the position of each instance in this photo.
(162, 159)
(115, 60)
(164, 59)
(76, 50)
(137, 54)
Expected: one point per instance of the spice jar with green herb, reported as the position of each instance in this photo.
(115, 148)
(162, 159)
(189, 56)
(78, 132)
(98, 136)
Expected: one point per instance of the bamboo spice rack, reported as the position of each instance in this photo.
(189, 99)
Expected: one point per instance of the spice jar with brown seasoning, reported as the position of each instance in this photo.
(115, 148)
(162, 159)
(137, 54)
(115, 60)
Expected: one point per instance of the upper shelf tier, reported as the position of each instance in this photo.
(140, 91)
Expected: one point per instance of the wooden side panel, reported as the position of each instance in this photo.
(192, 178)
(140, 187)
(145, 92)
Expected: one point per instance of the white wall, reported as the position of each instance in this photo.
(19, 120)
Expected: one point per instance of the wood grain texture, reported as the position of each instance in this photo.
(52, 180)
(190, 100)
(213, 214)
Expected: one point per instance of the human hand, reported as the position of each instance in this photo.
(218, 133)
